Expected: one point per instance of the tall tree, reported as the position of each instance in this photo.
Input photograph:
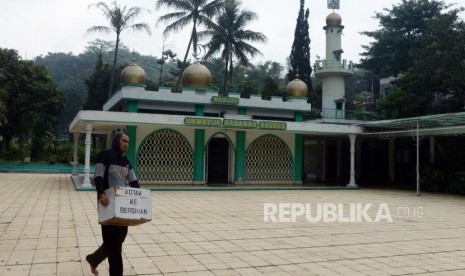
(230, 38)
(396, 104)
(187, 12)
(436, 78)
(270, 88)
(300, 52)
(165, 55)
(3, 96)
(29, 95)
(401, 30)
(261, 71)
(120, 19)
(96, 85)
(422, 42)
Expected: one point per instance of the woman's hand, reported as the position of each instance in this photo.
(103, 199)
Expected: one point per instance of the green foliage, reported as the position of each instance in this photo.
(445, 174)
(31, 98)
(432, 179)
(187, 11)
(120, 19)
(436, 179)
(3, 97)
(402, 29)
(396, 104)
(436, 77)
(70, 72)
(269, 89)
(97, 85)
(165, 55)
(14, 153)
(422, 42)
(230, 39)
(247, 88)
(300, 52)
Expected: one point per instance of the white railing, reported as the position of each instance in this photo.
(328, 64)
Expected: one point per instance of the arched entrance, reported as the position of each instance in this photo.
(218, 162)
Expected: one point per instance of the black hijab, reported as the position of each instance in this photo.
(115, 144)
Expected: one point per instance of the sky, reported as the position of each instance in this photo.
(37, 27)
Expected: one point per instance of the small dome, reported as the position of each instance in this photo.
(297, 88)
(133, 74)
(196, 75)
(333, 19)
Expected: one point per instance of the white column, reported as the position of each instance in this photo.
(339, 160)
(75, 161)
(352, 183)
(88, 142)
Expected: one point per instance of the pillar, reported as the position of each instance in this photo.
(198, 110)
(88, 142)
(239, 158)
(339, 159)
(352, 183)
(75, 153)
(131, 153)
(199, 150)
(358, 158)
(131, 131)
(298, 158)
(299, 116)
(132, 106)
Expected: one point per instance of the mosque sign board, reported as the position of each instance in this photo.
(127, 206)
(272, 125)
(202, 122)
(224, 100)
(236, 124)
(231, 123)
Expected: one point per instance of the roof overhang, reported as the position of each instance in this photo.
(439, 124)
(107, 121)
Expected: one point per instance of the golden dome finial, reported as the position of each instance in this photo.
(196, 76)
(297, 88)
(133, 74)
(333, 19)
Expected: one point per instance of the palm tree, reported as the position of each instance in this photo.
(120, 19)
(230, 39)
(188, 11)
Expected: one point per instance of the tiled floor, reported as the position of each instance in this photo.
(47, 228)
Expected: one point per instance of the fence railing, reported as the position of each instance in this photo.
(327, 113)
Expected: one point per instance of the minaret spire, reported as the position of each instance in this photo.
(333, 70)
(333, 4)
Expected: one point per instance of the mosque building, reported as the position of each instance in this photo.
(200, 138)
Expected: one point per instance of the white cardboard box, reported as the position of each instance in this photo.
(127, 206)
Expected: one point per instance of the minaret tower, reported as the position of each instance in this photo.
(333, 70)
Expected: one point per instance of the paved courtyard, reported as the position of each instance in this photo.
(47, 228)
